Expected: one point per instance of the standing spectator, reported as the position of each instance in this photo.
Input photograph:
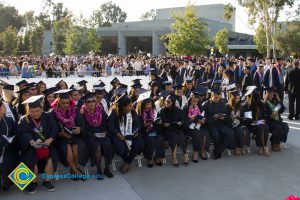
(25, 70)
(13, 69)
(292, 87)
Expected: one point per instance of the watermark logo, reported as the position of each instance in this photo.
(22, 176)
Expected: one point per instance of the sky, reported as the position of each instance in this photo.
(133, 8)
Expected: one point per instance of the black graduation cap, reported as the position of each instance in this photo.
(231, 63)
(189, 79)
(164, 94)
(216, 84)
(136, 85)
(24, 90)
(34, 101)
(205, 84)
(76, 87)
(177, 87)
(200, 91)
(9, 87)
(269, 89)
(153, 72)
(146, 97)
(23, 82)
(89, 95)
(33, 84)
(81, 83)
(49, 91)
(114, 81)
(123, 100)
(167, 83)
(63, 94)
(216, 91)
(121, 89)
(100, 83)
(99, 87)
(234, 93)
(251, 59)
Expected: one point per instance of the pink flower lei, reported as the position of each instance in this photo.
(94, 119)
(146, 116)
(66, 118)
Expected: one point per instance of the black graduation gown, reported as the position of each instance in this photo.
(26, 133)
(153, 141)
(278, 128)
(93, 142)
(247, 81)
(11, 158)
(174, 133)
(197, 135)
(62, 143)
(121, 146)
(261, 131)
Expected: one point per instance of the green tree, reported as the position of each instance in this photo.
(260, 39)
(10, 41)
(60, 30)
(94, 41)
(20, 46)
(189, 34)
(150, 15)
(44, 21)
(107, 14)
(30, 20)
(222, 40)
(26, 41)
(37, 41)
(288, 39)
(81, 40)
(9, 16)
(267, 12)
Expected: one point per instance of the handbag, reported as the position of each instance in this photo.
(42, 153)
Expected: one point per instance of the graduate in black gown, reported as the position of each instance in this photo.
(19, 108)
(242, 133)
(124, 125)
(115, 82)
(273, 108)
(100, 95)
(218, 126)
(188, 87)
(154, 149)
(9, 147)
(49, 98)
(195, 126)
(37, 133)
(72, 149)
(172, 128)
(97, 135)
(252, 113)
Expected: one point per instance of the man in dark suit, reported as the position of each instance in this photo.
(247, 80)
(258, 79)
(276, 78)
(292, 87)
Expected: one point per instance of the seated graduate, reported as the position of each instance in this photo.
(218, 125)
(99, 90)
(124, 125)
(188, 87)
(154, 148)
(49, 98)
(9, 147)
(19, 108)
(97, 134)
(8, 96)
(72, 149)
(195, 126)
(272, 110)
(181, 100)
(154, 90)
(37, 133)
(76, 95)
(172, 129)
(253, 117)
(242, 133)
(160, 103)
(114, 83)
(136, 87)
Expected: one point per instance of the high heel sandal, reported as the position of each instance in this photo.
(203, 157)
(186, 159)
(175, 162)
(158, 163)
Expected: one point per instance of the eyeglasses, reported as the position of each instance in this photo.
(90, 101)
